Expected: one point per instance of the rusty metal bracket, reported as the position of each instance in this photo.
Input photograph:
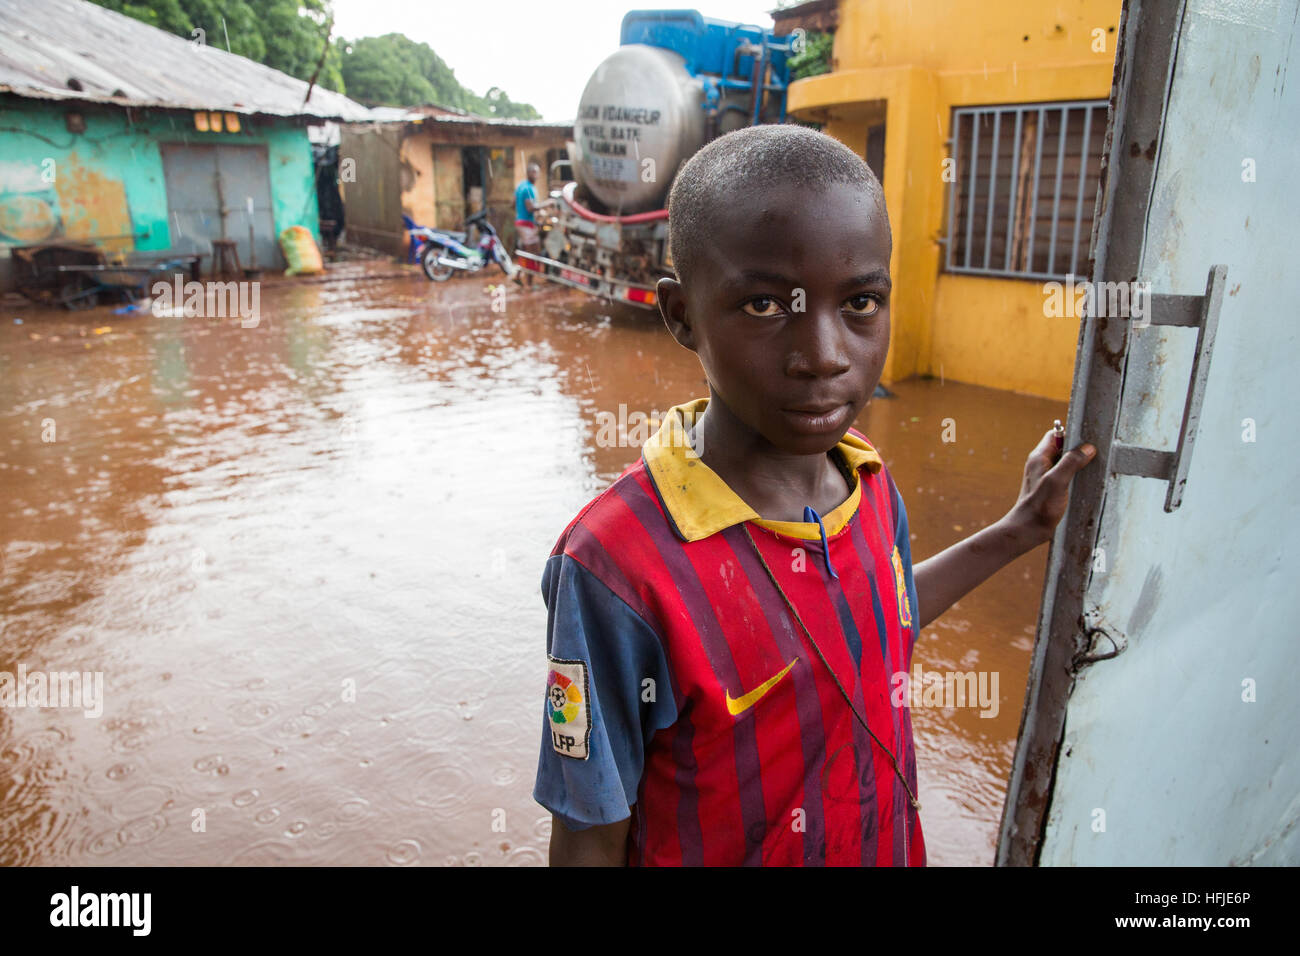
(1200, 312)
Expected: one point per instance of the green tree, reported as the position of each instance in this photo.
(390, 71)
(230, 24)
(290, 35)
(393, 70)
(295, 31)
(286, 35)
(163, 14)
(815, 58)
(496, 103)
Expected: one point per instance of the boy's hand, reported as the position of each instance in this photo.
(1046, 489)
(946, 577)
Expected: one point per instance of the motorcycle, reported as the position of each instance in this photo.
(441, 251)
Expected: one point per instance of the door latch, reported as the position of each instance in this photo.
(1101, 645)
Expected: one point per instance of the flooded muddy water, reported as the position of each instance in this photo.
(306, 559)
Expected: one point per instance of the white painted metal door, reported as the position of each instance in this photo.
(1161, 726)
(216, 191)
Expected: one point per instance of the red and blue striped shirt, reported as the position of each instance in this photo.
(682, 691)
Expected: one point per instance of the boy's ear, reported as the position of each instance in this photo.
(671, 298)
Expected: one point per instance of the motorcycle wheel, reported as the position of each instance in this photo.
(435, 270)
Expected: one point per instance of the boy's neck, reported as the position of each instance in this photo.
(775, 484)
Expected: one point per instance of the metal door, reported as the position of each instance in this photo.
(448, 188)
(500, 191)
(209, 192)
(1159, 723)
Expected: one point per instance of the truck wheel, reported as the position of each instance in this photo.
(435, 270)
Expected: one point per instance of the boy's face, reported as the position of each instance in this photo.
(788, 310)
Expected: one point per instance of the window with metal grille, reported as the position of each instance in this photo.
(1025, 186)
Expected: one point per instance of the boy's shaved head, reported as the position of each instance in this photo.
(740, 166)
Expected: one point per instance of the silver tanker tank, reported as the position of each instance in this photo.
(640, 117)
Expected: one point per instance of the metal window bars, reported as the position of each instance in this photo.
(994, 226)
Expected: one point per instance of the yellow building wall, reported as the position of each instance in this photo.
(967, 34)
(912, 62)
(993, 332)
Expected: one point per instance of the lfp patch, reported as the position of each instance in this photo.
(900, 583)
(568, 705)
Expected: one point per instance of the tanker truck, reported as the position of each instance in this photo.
(677, 81)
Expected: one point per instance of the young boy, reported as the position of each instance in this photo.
(725, 619)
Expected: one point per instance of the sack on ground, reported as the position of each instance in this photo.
(300, 252)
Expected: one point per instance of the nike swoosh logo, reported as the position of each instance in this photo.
(738, 705)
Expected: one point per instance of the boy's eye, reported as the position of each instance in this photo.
(762, 306)
(863, 304)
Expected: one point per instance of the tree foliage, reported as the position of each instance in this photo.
(815, 58)
(288, 35)
(394, 70)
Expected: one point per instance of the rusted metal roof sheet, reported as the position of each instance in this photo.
(471, 119)
(441, 114)
(74, 50)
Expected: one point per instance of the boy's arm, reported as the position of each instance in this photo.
(950, 574)
(609, 690)
(595, 846)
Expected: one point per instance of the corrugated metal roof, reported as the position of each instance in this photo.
(498, 121)
(425, 114)
(115, 59)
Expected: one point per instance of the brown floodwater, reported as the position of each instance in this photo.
(306, 558)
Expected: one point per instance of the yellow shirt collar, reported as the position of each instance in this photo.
(700, 503)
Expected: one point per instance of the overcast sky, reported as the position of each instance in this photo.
(538, 52)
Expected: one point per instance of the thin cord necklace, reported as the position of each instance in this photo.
(916, 804)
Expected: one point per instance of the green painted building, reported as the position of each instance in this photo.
(114, 132)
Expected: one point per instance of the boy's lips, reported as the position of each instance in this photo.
(818, 418)
(819, 409)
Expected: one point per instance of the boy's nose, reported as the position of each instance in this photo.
(817, 348)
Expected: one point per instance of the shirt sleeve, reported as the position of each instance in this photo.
(909, 616)
(608, 690)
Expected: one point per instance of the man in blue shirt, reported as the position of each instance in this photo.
(526, 203)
